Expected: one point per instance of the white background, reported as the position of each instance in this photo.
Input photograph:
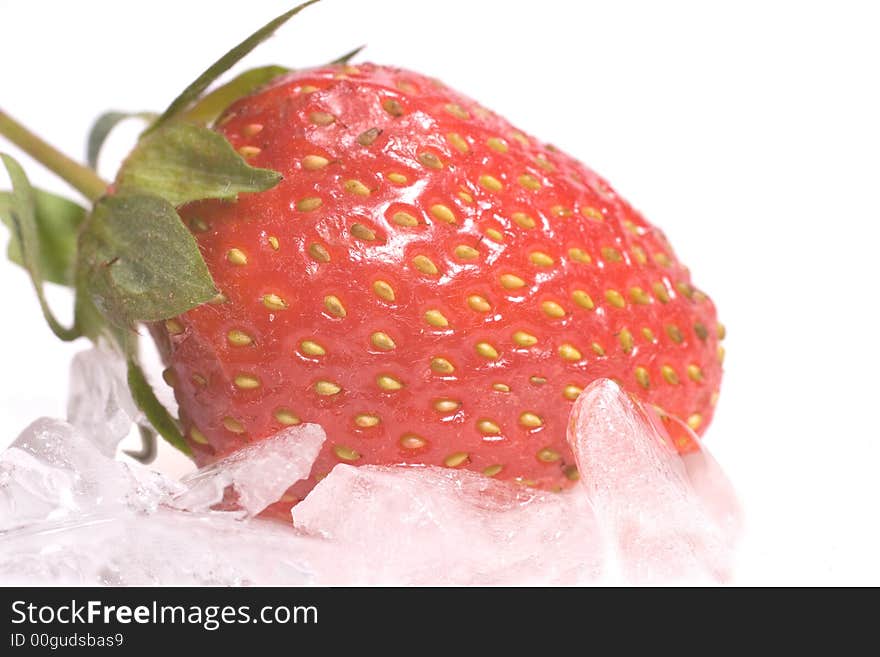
(749, 131)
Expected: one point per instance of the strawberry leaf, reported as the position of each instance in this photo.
(102, 128)
(211, 105)
(344, 59)
(156, 414)
(58, 221)
(139, 262)
(183, 163)
(191, 94)
(20, 214)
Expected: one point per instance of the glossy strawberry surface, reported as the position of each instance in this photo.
(427, 283)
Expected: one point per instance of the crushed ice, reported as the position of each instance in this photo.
(70, 513)
(259, 473)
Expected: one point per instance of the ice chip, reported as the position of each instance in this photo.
(429, 525)
(99, 403)
(69, 515)
(148, 490)
(32, 490)
(259, 473)
(52, 472)
(658, 525)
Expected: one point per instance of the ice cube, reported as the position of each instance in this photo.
(259, 473)
(658, 525)
(31, 490)
(428, 525)
(99, 403)
(51, 471)
(71, 515)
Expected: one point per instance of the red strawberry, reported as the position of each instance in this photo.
(429, 284)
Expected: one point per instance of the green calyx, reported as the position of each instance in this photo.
(138, 262)
(194, 92)
(20, 215)
(181, 163)
(130, 258)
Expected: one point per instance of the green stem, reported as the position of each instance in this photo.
(83, 179)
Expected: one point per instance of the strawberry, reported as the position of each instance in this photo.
(364, 248)
(429, 284)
